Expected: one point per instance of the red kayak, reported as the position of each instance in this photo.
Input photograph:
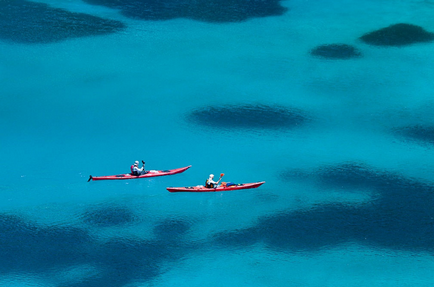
(201, 188)
(150, 173)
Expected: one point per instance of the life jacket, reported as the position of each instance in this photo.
(209, 185)
(133, 172)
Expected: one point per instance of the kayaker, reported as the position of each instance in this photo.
(135, 170)
(210, 183)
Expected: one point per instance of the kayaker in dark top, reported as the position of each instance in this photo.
(135, 170)
(210, 183)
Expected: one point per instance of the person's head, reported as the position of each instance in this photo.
(136, 162)
(211, 176)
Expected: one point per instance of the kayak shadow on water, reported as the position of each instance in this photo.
(398, 217)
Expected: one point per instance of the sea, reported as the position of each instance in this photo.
(343, 138)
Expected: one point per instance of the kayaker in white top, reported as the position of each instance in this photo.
(210, 183)
(135, 170)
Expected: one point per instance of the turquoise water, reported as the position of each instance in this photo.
(348, 198)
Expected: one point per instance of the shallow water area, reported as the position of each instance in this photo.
(348, 195)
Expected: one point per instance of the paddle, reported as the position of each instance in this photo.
(143, 166)
(217, 184)
(90, 178)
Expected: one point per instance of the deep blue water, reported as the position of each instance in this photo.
(329, 102)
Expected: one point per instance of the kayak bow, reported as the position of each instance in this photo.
(201, 188)
(150, 173)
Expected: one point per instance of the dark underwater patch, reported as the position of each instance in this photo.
(128, 261)
(201, 10)
(27, 247)
(348, 176)
(248, 117)
(421, 134)
(171, 229)
(398, 35)
(109, 216)
(400, 216)
(29, 22)
(354, 176)
(336, 51)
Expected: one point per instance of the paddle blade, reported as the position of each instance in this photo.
(90, 178)
(222, 174)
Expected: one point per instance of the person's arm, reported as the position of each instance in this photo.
(215, 183)
(221, 176)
